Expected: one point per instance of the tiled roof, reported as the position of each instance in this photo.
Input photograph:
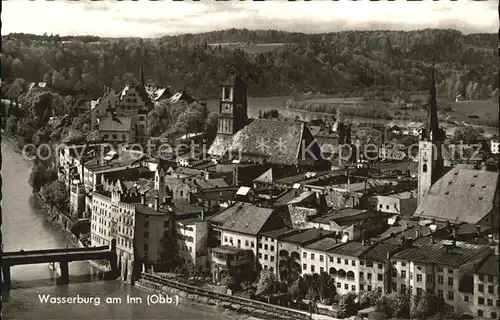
(117, 124)
(278, 232)
(379, 252)
(306, 235)
(437, 253)
(220, 145)
(228, 249)
(243, 217)
(490, 266)
(351, 249)
(324, 244)
(221, 194)
(460, 195)
(277, 141)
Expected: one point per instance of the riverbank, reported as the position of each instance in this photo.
(232, 304)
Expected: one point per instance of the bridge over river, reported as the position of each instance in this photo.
(62, 256)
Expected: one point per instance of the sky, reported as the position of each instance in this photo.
(159, 18)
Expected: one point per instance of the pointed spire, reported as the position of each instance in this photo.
(434, 122)
(142, 74)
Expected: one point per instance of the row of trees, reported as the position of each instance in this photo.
(350, 62)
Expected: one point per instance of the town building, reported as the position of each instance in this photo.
(240, 225)
(494, 146)
(231, 261)
(486, 290)
(403, 203)
(314, 258)
(117, 129)
(437, 268)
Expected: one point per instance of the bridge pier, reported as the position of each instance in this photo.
(64, 271)
(6, 282)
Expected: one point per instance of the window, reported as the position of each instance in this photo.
(403, 288)
(419, 278)
(490, 289)
(312, 256)
(146, 224)
(379, 266)
(165, 224)
(466, 298)
(369, 276)
(361, 275)
(369, 264)
(115, 136)
(271, 258)
(353, 288)
(271, 269)
(304, 255)
(146, 247)
(403, 264)
(439, 269)
(394, 272)
(429, 279)
(394, 287)
(403, 274)
(361, 263)
(450, 295)
(260, 255)
(450, 281)
(353, 263)
(440, 279)
(272, 248)
(361, 287)
(252, 244)
(490, 303)
(346, 262)
(380, 277)
(331, 259)
(440, 293)
(339, 285)
(493, 315)
(339, 260)
(480, 288)
(480, 313)
(225, 239)
(346, 286)
(304, 266)
(146, 234)
(481, 277)
(239, 243)
(247, 243)
(480, 300)
(321, 258)
(490, 278)
(321, 270)
(312, 268)
(419, 292)
(265, 257)
(260, 245)
(266, 247)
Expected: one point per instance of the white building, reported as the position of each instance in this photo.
(494, 146)
(192, 242)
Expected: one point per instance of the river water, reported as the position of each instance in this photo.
(279, 103)
(24, 227)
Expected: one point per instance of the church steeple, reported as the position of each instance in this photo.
(142, 74)
(432, 131)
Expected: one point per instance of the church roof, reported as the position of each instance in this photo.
(461, 195)
(277, 141)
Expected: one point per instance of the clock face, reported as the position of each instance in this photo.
(226, 107)
(425, 157)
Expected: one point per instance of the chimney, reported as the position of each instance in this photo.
(478, 230)
(157, 203)
(202, 214)
(417, 233)
(143, 198)
(433, 239)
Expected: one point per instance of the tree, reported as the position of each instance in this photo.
(266, 285)
(229, 282)
(56, 194)
(369, 299)
(289, 270)
(11, 124)
(468, 135)
(347, 303)
(327, 288)
(39, 177)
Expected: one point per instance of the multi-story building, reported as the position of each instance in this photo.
(485, 302)
(192, 241)
(437, 268)
(375, 268)
(314, 257)
(77, 199)
(241, 223)
(119, 129)
(404, 203)
(494, 146)
(100, 107)
(231, 261)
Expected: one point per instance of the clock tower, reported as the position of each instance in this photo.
(430, 162)
(233, 106)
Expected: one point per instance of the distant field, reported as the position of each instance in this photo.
(252, 48)
(342, 101)
(486, 112)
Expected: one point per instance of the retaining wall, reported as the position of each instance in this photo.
(239, 304)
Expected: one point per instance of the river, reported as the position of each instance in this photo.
(24, 227)
(279, 103)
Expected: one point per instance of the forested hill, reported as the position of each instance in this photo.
(272, 62)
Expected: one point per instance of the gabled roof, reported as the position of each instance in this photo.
(351, 249)
(277, 141)
(324, 244)
(490, 266)
(306, 235)
(461, 195)
(243, 217)
(379, 252)
(266, 177)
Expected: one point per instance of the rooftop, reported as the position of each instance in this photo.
(379, 252)
(461, 195)
(278, 232)
(120, 124)
(278, 141)
(490, 266)
(438, 254)
(243, 217)
(306, 235)
(351, 249)
(324, 244)
(228, 250)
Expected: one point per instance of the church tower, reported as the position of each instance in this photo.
(233, 107)
(430, 162)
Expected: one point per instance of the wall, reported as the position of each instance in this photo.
(268, 254)
(246, 241)
(340, 198)
(314, 261)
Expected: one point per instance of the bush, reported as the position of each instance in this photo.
(369, 299)
(377, 316)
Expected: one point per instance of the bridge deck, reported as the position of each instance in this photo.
(35, 257)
